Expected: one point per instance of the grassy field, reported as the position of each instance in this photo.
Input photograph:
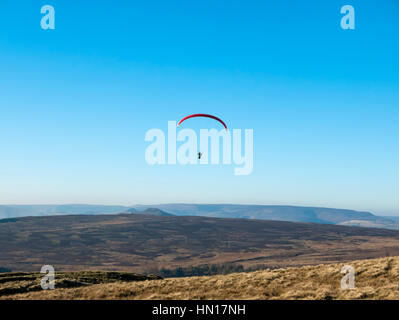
(374, 279)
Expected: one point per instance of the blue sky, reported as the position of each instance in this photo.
(323, 102)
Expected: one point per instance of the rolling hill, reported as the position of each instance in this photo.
(265, 212)
(147, 243)
(280, 213)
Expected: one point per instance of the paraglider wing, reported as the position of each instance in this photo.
(202, 115)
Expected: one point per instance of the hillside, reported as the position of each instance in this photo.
(374, 279)
(24, 282)
(149, 211)
(147, 243)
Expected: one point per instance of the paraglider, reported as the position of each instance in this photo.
(202, 115)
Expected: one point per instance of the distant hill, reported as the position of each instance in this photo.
(146, 243)
(264, 212)
(12, 211)
(280, 213)
(150, 211)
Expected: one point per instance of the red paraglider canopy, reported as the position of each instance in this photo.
(202, 115)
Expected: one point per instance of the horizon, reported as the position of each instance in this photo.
(392, 214)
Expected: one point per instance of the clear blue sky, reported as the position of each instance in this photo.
(323, 102)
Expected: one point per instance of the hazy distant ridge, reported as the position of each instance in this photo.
(280, 213)
(264, 212)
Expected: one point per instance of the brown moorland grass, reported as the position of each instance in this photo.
(144, 243)
(374, 279)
